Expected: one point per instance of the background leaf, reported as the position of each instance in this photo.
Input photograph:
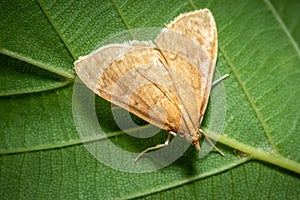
(42, 156)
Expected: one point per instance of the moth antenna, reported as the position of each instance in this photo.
(210, 142)
(219, 80)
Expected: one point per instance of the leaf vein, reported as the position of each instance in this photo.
(60, 34)
(117, 7)
(250, 100)
(283, 26)
(36, 63)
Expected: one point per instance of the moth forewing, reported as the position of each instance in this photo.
(199, 26)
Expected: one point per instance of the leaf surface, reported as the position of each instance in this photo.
(42, 155)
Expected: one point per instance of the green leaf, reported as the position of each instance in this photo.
(43, 155)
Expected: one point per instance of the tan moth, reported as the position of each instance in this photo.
(166, 82)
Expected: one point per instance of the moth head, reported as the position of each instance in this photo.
(195, 142)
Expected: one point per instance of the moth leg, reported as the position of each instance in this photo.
(157, 146)
(219, 80)
(210, 142)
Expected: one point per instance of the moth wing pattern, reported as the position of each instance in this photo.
(166, 82)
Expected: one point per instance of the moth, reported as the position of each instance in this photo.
(166, 82)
